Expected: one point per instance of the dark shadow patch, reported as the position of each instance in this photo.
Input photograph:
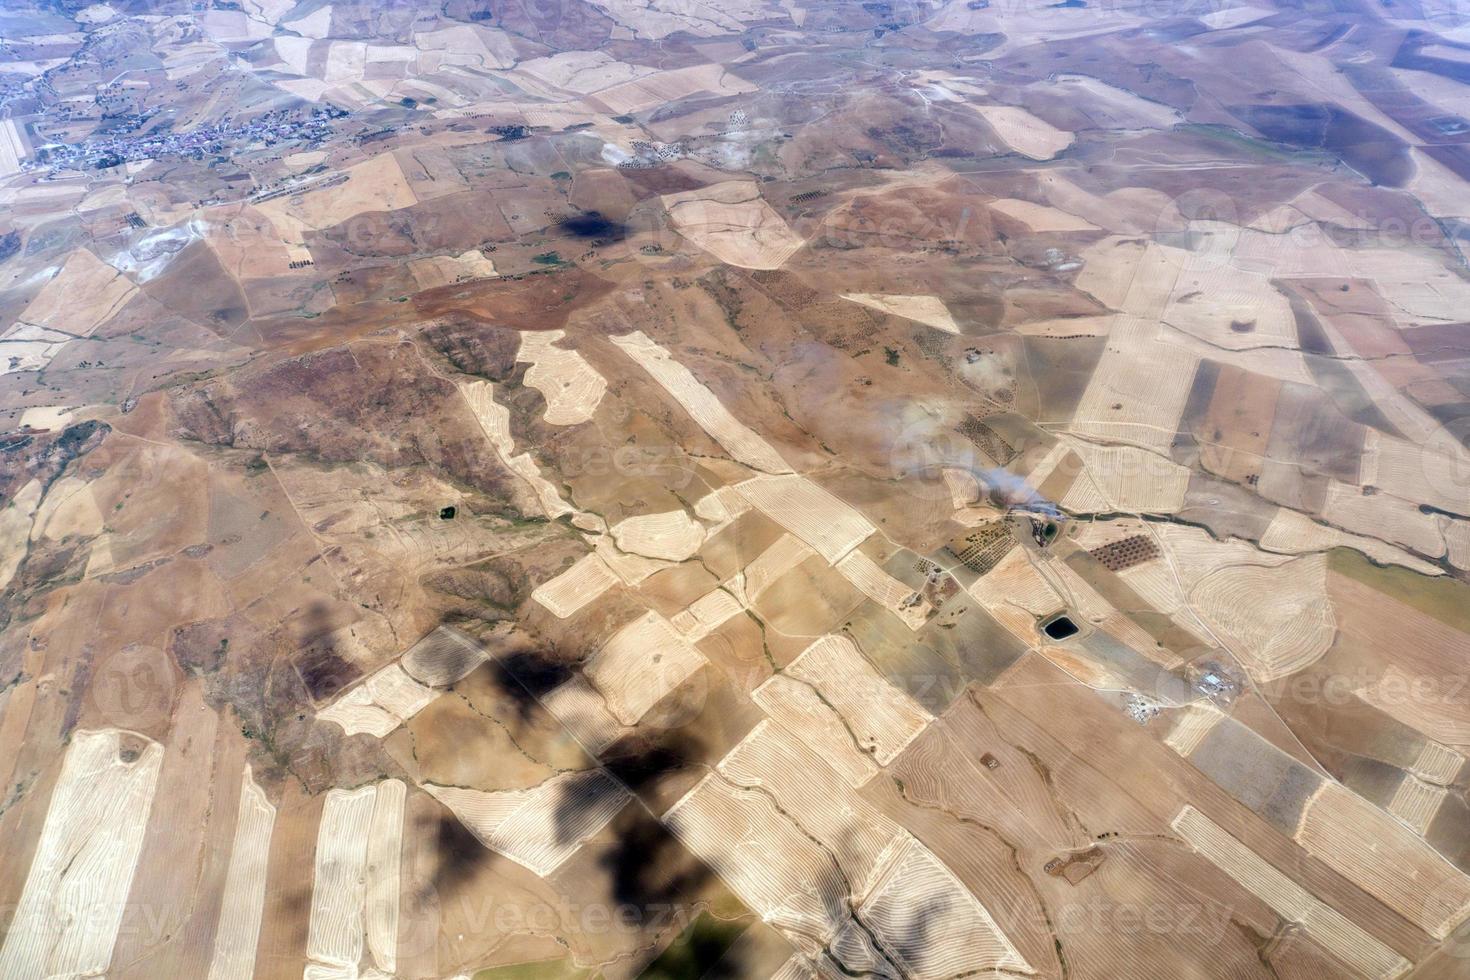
(459, 855)
(577, 795)
(706, 950)
(1331, 374)
(1185, 448)
(323, 670)
(592, 225)
(525, 677)
(647, 867)
(640, 762)
(916, 942)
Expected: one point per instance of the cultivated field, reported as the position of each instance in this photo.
(928, 310)
(76, 891)
(640, 664)
(733, 222)
(829, 526)
(671, 536)
(882, 719)
(1349, 945)
(571, 387)
(539, 828)
(244, 898)
(701, 404)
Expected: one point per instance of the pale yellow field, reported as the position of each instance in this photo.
(576, 587)
(1400, 869)
(738, 440)
(76, 892)
(796, 968)
(664, 87)
(781, 557)
(1347, 942)
(580, 72)
(84, 295)
(1437, 187)
(12, 148)
(16, 520)
(882, 718)
(766, 860)
(444, 270)
(797, 707)
(1381, 516)
(569, 384)
(336, 928)
(1015, 582)
(1292, 533)
(732, 222)
(463, 44)
(1438, 764)
(384, 853)
(872, 581)
(1278, 620)
(397, 693)
(376, 184)
(1039, 217)
(656, 19)
(1415, 803)
(910, 877)
(827, 524)
(1194, 722)
(356, 713)
(1228, 17)
(1235, 297)
(1124, 478)
(1023, 132)
(671, 536)
(1114, 107)
(583, 712)
(720, 507)
(1439, 718)
(30, 348)
(643, 662)
(1413, 472)
(494, 420)
(244, 895)
(928, 310)
(630, 569)
(1137, 391)
(534, 827)
(379, 704)
(812, 795)
(706, 613)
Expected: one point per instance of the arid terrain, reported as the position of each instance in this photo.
(574, 489)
